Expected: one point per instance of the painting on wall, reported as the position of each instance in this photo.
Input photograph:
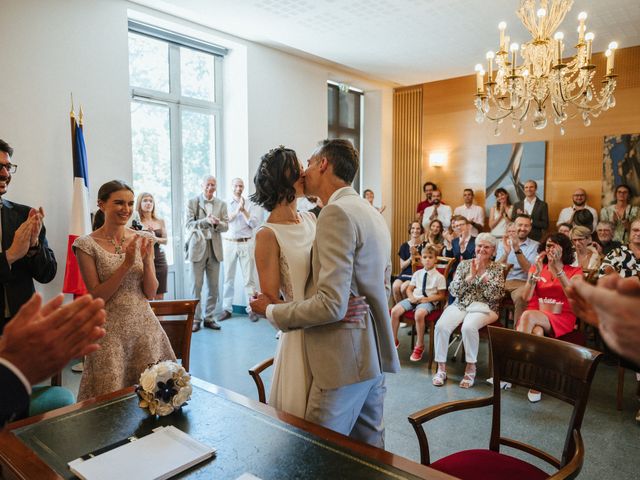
(621, 164)
(510, 165)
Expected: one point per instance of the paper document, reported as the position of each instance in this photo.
(157, 456)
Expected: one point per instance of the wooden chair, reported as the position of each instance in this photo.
(255, 372)
(622, 365)
(559, 369)
(443, 265)
(177, 329)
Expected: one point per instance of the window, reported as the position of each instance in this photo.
(176, 113)
(345, 111)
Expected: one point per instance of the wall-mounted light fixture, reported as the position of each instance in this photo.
(437, 159)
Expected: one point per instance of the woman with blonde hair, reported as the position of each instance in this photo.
(146, 213)
(587, 257)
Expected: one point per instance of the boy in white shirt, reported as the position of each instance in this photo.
(427, 287)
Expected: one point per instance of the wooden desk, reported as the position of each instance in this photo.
(249, 436)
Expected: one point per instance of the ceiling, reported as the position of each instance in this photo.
(401, 41)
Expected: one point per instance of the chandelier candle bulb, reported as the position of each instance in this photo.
(502, 27)
(610, 53)
(490, 56)
(479, 79)
(581, 28)
(514, 51)
(558, 37)
(589, 38)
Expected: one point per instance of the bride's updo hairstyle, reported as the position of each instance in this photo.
(279, 170)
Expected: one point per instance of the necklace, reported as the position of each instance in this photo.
(117, 247)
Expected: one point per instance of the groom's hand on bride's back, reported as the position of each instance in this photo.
(357, 310)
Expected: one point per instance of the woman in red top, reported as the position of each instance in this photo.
(549, 312)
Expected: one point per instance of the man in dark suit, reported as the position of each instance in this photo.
(537, 209)
(25, 255)
(40, 341)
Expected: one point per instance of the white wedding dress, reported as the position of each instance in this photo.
(291, 374)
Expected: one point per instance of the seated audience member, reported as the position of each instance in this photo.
(584, 218)
(369, 196)
(621, 213)
(437, 210)
(428, 189)
(463, 247)
(427, 287)
(565, 229)
(604, 237)
(537, 209)
(435, 237)
(587, 257)
(625, 260)
(478, 286)
(549, 312)
(409, 249)
(579, 203)
(519, 250)
(500, 213)
(473, 213)
(40, 341)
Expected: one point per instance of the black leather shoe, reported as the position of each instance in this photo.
(225, 316)
(212, 324)
(196, 326)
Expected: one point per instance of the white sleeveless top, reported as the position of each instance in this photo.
(291, 374)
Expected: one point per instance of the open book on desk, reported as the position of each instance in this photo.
(157, 456)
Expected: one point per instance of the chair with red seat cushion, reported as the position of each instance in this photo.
(560, 369)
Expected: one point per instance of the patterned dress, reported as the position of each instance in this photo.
(134, 336)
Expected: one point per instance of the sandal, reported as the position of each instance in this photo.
(439, 378)
(468, 380)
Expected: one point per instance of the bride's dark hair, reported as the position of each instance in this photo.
(279, 170)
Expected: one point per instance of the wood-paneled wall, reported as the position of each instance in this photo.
(407, 157)
(573, 160)
(448, 124)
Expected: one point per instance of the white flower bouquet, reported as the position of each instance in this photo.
(164, 387)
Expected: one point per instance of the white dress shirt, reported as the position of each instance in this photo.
(566, 214)
(443, 214)
(240, 226)
(474, 213)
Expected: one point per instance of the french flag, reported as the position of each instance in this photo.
(80, 218)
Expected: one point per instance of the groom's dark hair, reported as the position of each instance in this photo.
(342, 156)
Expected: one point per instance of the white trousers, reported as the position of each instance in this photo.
(209, 267)
(471, 323)
(237, 253)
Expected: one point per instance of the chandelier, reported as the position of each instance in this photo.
(542, 82)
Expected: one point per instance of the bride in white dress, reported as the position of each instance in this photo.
(283, 260)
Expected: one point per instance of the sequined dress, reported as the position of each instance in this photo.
(134, 336)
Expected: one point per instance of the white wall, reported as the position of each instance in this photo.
(52, 49)
(48, 51)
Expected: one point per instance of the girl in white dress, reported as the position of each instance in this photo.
(500, 214)
(283, 260)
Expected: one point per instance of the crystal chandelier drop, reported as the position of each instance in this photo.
(541, 82)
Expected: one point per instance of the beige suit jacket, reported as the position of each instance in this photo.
(198, 229)
(351, 255)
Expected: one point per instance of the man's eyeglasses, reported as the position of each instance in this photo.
(10, 167)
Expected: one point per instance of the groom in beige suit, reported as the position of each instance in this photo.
(351, 256)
